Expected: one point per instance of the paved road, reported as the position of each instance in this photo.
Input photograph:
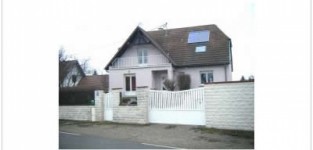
(81, 141)
(181, 136)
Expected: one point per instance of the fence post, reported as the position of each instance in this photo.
(98, 105)
(93, 114)
(142, 102)
(116, 101)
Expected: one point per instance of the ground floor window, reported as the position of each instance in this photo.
(130, 82)
(206, 77)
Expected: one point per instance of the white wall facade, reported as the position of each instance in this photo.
(194, 72)
(143, 75)
(132, 51)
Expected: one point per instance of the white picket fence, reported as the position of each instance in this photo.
(192, 99)
(177, 107)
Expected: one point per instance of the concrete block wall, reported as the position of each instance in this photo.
(75, 112)
(99, 105)
(132, 114)
(230, 105)
(84, 112)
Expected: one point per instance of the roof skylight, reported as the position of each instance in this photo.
(198, 36)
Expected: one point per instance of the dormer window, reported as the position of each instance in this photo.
(200, 49)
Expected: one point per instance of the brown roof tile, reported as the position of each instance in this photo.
(174, 42)
(94, 82)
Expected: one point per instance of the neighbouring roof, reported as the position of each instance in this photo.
(173, 43)
(91, 83)
(66, 66)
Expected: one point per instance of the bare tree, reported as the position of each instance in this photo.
(242, 78)
(62, 55)
(251, 78)
(84, 64)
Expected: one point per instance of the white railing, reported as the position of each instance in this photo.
(151, 60)
(177, 100)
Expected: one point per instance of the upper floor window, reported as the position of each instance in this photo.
(198, 36)
(200, 49)
(142, 56)
(206, 77)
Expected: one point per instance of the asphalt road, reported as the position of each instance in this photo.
(81, 141)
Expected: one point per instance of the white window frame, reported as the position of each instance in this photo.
(200, 49)
(206, 76)
(142, 58)
(130, 82)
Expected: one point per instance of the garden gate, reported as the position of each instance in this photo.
(177, 107)
(108, 107)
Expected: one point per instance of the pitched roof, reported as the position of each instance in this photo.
(173, 43)
(66, 66)
(123, 48)
(94, 82)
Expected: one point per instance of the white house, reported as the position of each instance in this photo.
(147, 58)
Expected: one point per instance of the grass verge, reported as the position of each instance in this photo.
(238, 133)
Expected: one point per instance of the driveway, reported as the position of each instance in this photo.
(179, 136)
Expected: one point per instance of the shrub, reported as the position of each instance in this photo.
(170, 84)
(184, 81)
(76, 98)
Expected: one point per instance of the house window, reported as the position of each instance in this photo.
(206, 77)
(198, 36)
(142, 56)
(74, 78)
(200, 49)
(130, 83)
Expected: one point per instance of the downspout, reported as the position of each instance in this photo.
(225, 72)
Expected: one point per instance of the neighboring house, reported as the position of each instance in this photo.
(85, 91)
(70, 73)
(91, 83)
(147, 58)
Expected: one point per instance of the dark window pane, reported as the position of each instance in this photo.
(203, 80)
(127, 81)
(134, 83)
(210, 77)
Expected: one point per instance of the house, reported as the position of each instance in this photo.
(85, 92)
(91, 83)
(148, 58)
(70, 73)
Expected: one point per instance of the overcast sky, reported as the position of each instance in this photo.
(95, 29)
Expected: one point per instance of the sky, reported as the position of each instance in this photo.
(95, 29)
